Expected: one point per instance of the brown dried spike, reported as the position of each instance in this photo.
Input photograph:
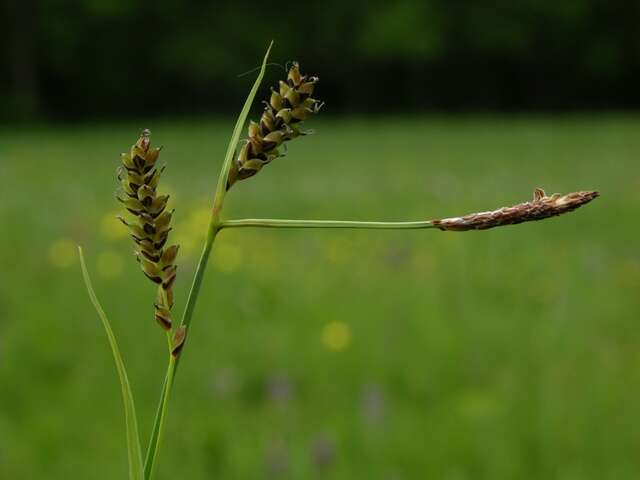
(539, 208)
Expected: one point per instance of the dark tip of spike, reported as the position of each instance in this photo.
(165, 323)
(169, 283)
(161, 243)
(157, 214)
(154, 279)
(139, 162)
(150, 257)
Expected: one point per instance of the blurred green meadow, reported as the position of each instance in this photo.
(507, 354)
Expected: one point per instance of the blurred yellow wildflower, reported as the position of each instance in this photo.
(111, 228)
(336, 335)
(199, 220)
(109, 264)
(188, 243)
(62, 253)
(227, 257)
(190, 233)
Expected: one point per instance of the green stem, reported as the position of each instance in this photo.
(212, 232)
(200, 269)
(154, 440)
(278, 223)
(158, 427)
(158, 424)
(215, 226)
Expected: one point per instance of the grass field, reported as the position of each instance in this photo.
(507, 354)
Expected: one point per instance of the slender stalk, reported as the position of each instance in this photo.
(279, 223)
(215, 225)
(161, 414)
(212, 232)
(541, 207)
(200, 269)
(154, 439)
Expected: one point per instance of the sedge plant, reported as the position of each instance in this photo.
(149, 223)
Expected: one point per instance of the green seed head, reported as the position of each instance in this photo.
(287, 108)
(139, 176)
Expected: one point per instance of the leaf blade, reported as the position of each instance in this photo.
(133, 437)
(237, 129)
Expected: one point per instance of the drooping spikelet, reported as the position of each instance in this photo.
(281, 121)
(539, 208)
(139, 177)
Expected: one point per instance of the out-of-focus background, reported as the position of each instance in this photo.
(75, 59)
(512, 353)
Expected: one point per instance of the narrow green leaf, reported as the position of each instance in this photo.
(237, 130)
(133, 438)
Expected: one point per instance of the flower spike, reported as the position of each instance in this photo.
(139, 177)
(288, 106)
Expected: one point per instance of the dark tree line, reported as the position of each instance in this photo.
(83, 58)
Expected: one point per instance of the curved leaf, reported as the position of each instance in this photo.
(133, 438)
